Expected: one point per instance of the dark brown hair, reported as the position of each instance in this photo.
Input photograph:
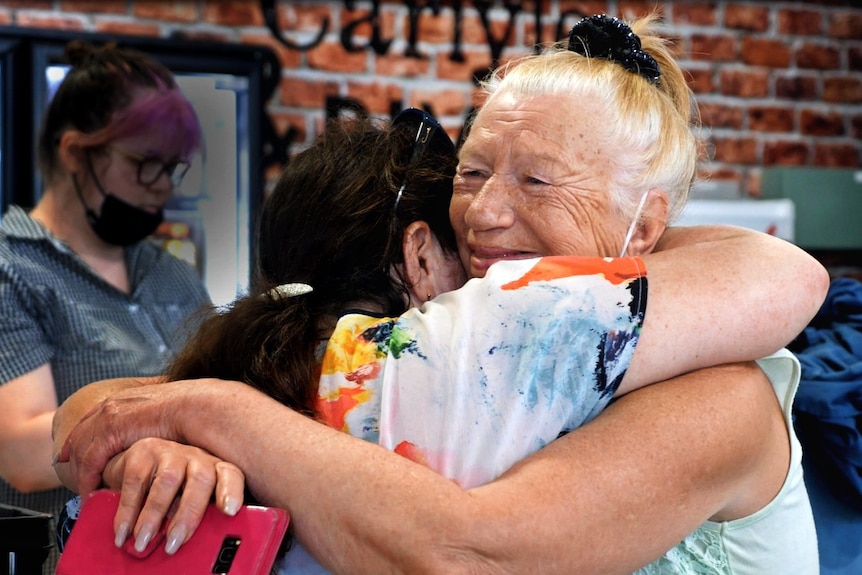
(330, 223)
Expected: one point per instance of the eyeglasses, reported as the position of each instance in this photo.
(426, 128)
(150, 169)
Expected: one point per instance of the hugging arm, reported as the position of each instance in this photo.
(720, 294)
(645, 473)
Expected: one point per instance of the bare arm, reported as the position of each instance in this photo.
(77, 406)
(720, 294)
(564, 509)
(28, 404)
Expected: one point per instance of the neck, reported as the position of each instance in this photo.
(63, 215)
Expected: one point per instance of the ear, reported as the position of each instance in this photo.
(428, 268)
(71, 154)
(651, 224)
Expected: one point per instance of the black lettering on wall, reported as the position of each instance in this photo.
(379, 45)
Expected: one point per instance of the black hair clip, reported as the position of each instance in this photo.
(603, 36)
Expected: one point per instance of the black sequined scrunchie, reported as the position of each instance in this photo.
(603, 36)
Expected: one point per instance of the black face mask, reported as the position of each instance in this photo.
(120, 223)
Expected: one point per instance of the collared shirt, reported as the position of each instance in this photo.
(54, 309)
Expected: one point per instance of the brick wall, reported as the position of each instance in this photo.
(778, 83)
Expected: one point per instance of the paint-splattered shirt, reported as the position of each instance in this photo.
(478, 378)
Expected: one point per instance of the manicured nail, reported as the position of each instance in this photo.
(231, 506)
(143, 538)
(122, 535)
(175, 539)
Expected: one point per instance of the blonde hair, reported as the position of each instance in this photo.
(651, 123)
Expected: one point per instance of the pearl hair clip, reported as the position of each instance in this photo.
(289, 290)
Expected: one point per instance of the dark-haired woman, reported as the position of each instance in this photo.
(82, 295)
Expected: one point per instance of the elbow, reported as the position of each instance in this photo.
(817, 287)
(24, 484)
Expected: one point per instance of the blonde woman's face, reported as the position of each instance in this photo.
(533, 181)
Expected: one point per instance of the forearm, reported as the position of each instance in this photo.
(25, 455)
(362, 509)
(76, 407)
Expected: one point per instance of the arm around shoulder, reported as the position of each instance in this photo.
(721, 294)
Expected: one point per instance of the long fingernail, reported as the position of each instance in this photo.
(175, 539)
(143, 538)
(231, 506)
(122, 535)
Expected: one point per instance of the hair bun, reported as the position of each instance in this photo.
(603, 36)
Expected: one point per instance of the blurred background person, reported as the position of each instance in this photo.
(83, 295)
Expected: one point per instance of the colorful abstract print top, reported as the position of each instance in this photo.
(480, 377)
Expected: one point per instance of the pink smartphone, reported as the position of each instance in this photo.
(245, 544)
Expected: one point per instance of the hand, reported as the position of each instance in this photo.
(160, 478)
(113, 425)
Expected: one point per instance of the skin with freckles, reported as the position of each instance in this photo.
(525, 187)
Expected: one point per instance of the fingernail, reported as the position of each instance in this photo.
(231, 506)
(122, 535)
(175, 539)
(143, 538)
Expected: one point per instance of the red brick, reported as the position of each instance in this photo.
(718, 174)
(5, 18)
(818, 57)
(376, 97)
(765, 52)
(29, 4)
(717, 115)
(474, 63)
(631, 9)
(770, 119)
(179, 11)
(332, 57)
(230, 12)
(854, 59)
(785, 153)
(696, 13)
(837, 155)
(305, 18)
(735, 150)
(286, 57)
(439, 29)
(744, 83)
(700, 80)
(846, 25)
(856, 126)
(101, 6)
(842, 90)
(800, 22)
(34, 20)
(796, 87)
(444, 102)
(304, 93)
(283, 122)
(127, 28)
(402, 66)
(746, 17)
(814, 122)
(586, 7)
(714, 48)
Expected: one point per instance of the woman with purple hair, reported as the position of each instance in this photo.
(83, 296)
